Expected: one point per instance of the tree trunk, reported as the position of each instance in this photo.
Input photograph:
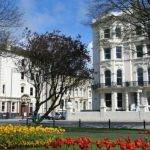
(35, 113)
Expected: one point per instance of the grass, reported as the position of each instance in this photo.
(97, 133)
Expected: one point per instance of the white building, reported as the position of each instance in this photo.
(80, 97)
(121, 71)
(17, 94)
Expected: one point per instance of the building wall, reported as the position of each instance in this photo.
(10, 91)
(133, 94)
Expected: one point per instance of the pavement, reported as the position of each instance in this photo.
(87, 124)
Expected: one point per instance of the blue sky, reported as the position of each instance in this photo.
(64, 15)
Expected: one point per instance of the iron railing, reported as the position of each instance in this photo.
(123, 84)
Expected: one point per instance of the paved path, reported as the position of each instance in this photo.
(64, 123)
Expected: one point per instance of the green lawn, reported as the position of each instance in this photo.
(96, 133)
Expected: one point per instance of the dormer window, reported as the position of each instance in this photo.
(118, 32)
(107, 33)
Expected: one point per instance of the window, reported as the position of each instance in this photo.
(107, 78)
(80, 91)
(148, 100)
(148, 75)
(139, 50)
(31, 107)
(135, 98)
(138, 30)
(107, 33)
(119, 77)
(31, 91)
(23, 62)
(107, 52)
(84, 92)
(3, 106)
(22, 89)
(118, 32)
(32, 76)
(84, 105)
(140, 76)
(108, 99)
(148, 49)
(3, 88)
(76, 92)
(22, 75)
(13, 106)
(76, 105)
(119, 99)
(90, 93)
(118, 52)
(90, 105)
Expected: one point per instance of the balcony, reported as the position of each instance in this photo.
(123, 84)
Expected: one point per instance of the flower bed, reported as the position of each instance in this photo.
(21, 136)
(85, 143)
(17, 136)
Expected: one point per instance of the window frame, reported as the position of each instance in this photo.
(119, 53)
(107, 78)
(13, 106)
(119, 101)
(31, 91)
(139, 53)
(107, 53)
(119, 77)
(140, 76)
(116, 32)
(22, 89)
(107, 33)
(108, 100)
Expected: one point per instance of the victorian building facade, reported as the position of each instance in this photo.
(17, 93)
(121, 68)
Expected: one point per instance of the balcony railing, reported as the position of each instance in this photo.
(123, 84)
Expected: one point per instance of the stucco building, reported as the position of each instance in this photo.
(121, 68)
(17, 92)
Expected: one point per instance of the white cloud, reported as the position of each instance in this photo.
(34, 18)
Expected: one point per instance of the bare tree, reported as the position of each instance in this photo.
(134, 12)
(10, 17)
(56, 61)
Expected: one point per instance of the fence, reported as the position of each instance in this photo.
(90, 124)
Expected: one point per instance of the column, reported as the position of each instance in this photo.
(102, 80)
(138, 101)
(143, 106)
(144, 50)
(145, 76)
(101, 54)
(114, 101)
(113, 52)
(102, 102)
(126, 101)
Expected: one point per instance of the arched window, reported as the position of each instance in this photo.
(119, 77)
(108, 78)
(140, 76)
